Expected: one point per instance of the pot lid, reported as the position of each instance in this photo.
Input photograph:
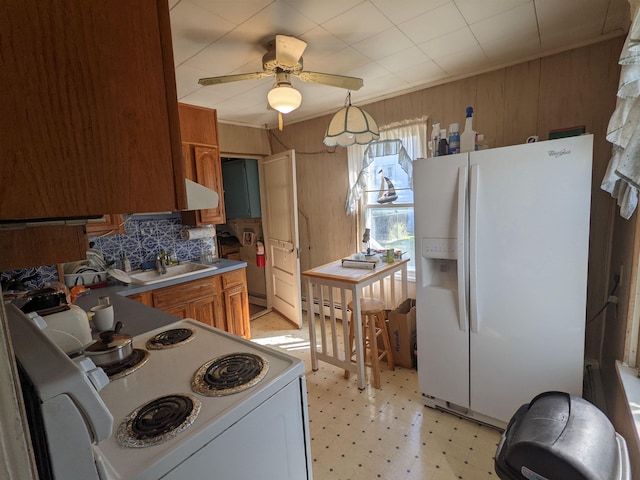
(110, 340)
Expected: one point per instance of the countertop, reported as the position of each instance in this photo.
(136, 317)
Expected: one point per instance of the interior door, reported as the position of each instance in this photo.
(280, 227)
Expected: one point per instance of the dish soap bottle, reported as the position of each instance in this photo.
(126, 264)
(454, 138)
(469, 138)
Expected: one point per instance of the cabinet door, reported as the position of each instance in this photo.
(143, 297)
(209, 174)
(237, 311)
(203, 310)
(106, 74)
(181, 311)
(219, 316)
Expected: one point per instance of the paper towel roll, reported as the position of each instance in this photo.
(194, 233)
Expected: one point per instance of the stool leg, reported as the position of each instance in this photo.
(387, 343)
(347, 373)
(373, 347)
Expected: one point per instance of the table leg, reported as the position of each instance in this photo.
(357, 329)
(312, 326)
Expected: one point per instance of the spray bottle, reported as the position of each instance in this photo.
(469, 137)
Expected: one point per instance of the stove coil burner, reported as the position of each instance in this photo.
(129, 365)
(157, 421)
(229, 374)
(170, 338)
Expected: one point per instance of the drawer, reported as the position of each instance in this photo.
(233, 278)
(183, 293)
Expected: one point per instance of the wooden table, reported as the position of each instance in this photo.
(353, 280)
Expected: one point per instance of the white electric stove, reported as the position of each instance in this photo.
(257, 430)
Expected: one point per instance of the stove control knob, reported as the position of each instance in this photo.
(96, 375)
(38, 320)
(98, 378)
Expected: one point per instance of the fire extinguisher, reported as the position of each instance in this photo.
(260, 258)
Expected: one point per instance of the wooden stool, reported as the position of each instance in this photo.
(374, 324)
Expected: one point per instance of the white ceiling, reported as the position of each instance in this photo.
(396, 46)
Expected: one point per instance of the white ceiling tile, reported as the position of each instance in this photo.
(570, 21)
(442, 20)
(320, 44)
(404, 59)
(233, 10)
(369, 72)
(187, 80)
(511, 26)
(383, 44)
(474, 11)
(343, 62)
(459, 63)
(501, 53)
(449, 44)
(277, 18)
(358, 23)
(422, 73)
(193, 28)
(227, 55)
(399, 11)
(322, 11)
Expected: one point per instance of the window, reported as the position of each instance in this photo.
(382, 189)
(390, 222)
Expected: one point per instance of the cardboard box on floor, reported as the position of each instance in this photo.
(401, 324)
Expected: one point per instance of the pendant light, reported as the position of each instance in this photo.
(351, 125)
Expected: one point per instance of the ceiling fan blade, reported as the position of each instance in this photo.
(289, 50)
(233, 78)
(350, 83)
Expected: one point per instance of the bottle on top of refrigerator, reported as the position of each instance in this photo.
(435, 139)
(469, 137)
(443, 145)
(454, 138)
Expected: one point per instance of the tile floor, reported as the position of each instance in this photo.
(386, 433)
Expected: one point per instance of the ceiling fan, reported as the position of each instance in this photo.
(282, 61)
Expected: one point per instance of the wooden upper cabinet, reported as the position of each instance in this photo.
(198, 124)
(106, 225)
(202, 159)
(89, 113)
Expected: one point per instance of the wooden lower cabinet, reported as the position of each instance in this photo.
(236, 304)
(142, 297)
(220, 301)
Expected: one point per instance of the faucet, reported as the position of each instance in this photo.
(160, 263)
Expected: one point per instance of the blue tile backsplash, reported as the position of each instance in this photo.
(145, 237)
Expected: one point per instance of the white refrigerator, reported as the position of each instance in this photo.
(502, 240)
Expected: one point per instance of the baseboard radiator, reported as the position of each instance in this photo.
(592, 388)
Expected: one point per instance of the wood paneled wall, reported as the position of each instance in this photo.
(236, 139)
(577, 87)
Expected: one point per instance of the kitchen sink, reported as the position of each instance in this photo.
(173, 271)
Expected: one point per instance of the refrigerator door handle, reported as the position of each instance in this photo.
(473, 247)
(462, 260)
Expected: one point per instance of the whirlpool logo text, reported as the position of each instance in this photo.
(559, 153)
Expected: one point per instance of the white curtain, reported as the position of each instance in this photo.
(622, 178)
(407, 139)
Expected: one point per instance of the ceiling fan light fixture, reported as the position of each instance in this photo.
(351, 125)
(284, 98)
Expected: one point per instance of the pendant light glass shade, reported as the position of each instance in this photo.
(284, 98)
(351, 125)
